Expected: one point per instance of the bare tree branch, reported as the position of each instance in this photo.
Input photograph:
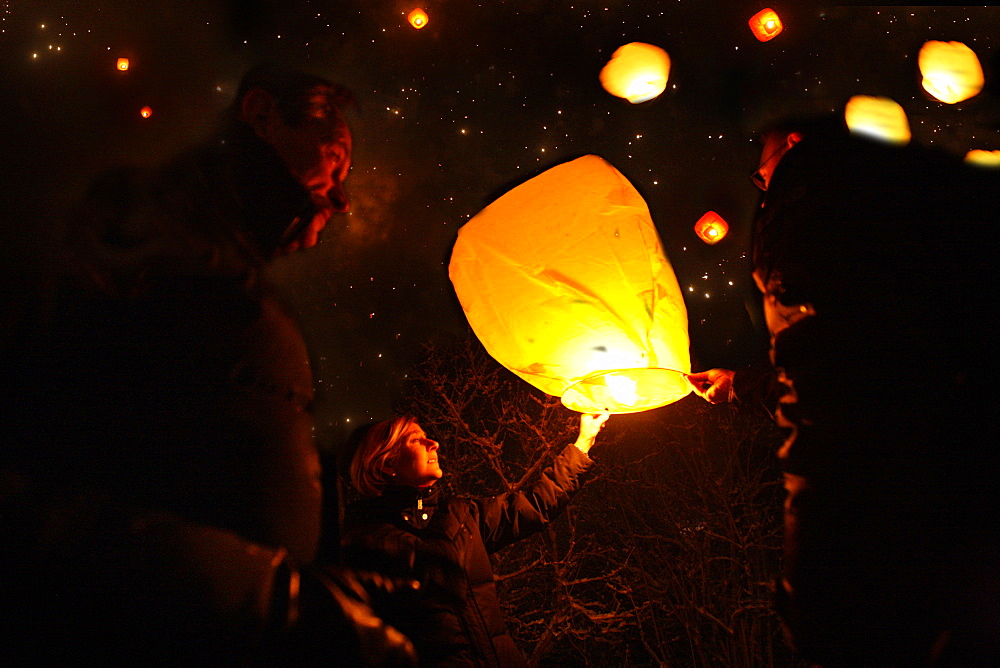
(664, 558)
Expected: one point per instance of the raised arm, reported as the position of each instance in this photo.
(590, 426)
(510, 517)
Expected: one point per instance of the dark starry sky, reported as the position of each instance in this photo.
(451, 116)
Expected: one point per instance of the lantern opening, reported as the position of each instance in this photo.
(626, 390)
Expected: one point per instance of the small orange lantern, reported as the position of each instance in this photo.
(766, 25)
(637, 72)
(951, 71)
(877, 118)
(711, 228)
(417, 18)
(122, 64)
(146, 112)
(983, 158)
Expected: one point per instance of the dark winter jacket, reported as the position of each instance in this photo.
(185, 383)
(891, 533)
(166, 486)
(445, 544)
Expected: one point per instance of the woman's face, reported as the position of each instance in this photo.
(416, 462)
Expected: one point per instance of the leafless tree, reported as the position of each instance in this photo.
(664, 558)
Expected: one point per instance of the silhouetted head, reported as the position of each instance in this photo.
(780, 137)
(301, 116)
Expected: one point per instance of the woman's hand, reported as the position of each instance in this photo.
(590, 425)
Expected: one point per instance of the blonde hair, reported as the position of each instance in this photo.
(376, 449)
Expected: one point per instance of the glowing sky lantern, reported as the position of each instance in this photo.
(877, 118)
(951, 71)
(564, 281)
(983, 158)
(766, 25)
(637, 72)
(711, 228)
(146, 112)
(417, 18)
(122, 64)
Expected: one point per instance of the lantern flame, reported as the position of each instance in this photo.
(951, 71)
(122, 64)
(625, 390)
(637, 72)
(621, 389)
(877, 118)
(766, 24)
(418, 18)
(711, 228)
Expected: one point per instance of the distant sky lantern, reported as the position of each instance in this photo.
(983, 158)
(766, 25)
(146, 112)
(122, 64)
(877, 118)
(951, 71)
(637, 72)
(564, 281)
(711, 228)
(417, 18)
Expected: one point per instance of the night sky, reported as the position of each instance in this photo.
(448, 118)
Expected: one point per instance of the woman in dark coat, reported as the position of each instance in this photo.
(404, 528)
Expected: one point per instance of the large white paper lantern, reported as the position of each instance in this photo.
(879, 118)
(637, 72)
(950, 71)
(983, 158)
(564, 281)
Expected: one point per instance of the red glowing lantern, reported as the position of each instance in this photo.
(711, 228)
(417, 18)
(122, 64)
(146, 112)
(766, 25)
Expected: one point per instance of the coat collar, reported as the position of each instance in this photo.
(414, 505)
(403, 496)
